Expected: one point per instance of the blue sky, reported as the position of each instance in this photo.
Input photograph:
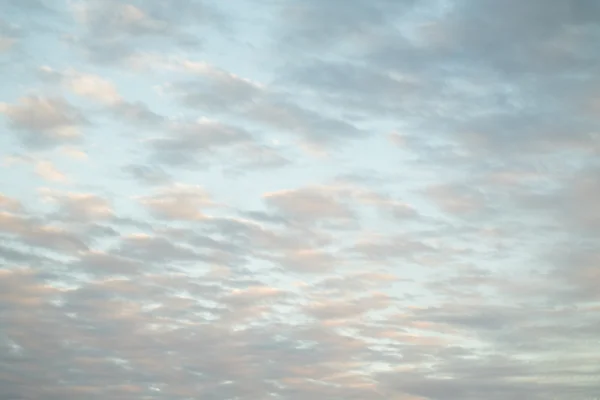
(285, 199)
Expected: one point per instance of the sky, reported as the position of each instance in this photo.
(299, 199)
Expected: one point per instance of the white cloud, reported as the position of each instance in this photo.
(43, 121)
(179, 202)
(444, 245)
(81, 207)
(48, 171)
(93, 87)
(90, 86)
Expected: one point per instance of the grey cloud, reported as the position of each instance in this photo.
(364, 178)
(95, 230)
(219, 91)
(28, 5)
(15, 255)
(348, 309)
(199, 239)
(10, 204)
(262, 216)
(389, 248)
(298, 299)
(118, 18)
(312, 127)
(570, 202)
(225, 252)
(510, 80)
(203, 356)
(335, 206)
(387, 205)
(136, 112)
(9, 35)
(100, 264)
(179, 202)
(213, 89)
(286, 246)
(155, 249)
(517, 30)
(309, 205)
(576, 273)
(189, 143)
(357, 86)
(80, 207)
(33, 232)
(90, 86)
(317, 25)
(256, 157)
(114, 31)
(578, 198)
(309, 260)
(147, 174)
(12, 255)
(472, 387)
(265, 240)
(357, 282)
(457, 199)
(42, 122)
(234, 244)
(98, 89)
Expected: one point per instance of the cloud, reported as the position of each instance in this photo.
(189, 142)
(344, 285)
(213, 89)
(341, 200)
(569, 201)
(388, 206)
(48, 171)
(339, 310)
(121, 19)
(220, 91)
(113, 31)
(89, 86)
(308, 260)
(178, 202)
(6, 43)
(310, 24)
(80, 207)
(312, 128)
(576, 272)
(336, 204)
(9, 35)
(9, 204)
(147, 174)
(93, 87)
(156, 249)
(102, 91)
(23, 287)
(42, 122)
(136, 112)
(74, 153)
(256, 157)
(309, 205)
(380, 248)
(456, 199)
(438, 73)
(35, 233)
(45, 169)
(356, 85)
(99, 263)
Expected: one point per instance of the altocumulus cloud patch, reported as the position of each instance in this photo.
(358, 199)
